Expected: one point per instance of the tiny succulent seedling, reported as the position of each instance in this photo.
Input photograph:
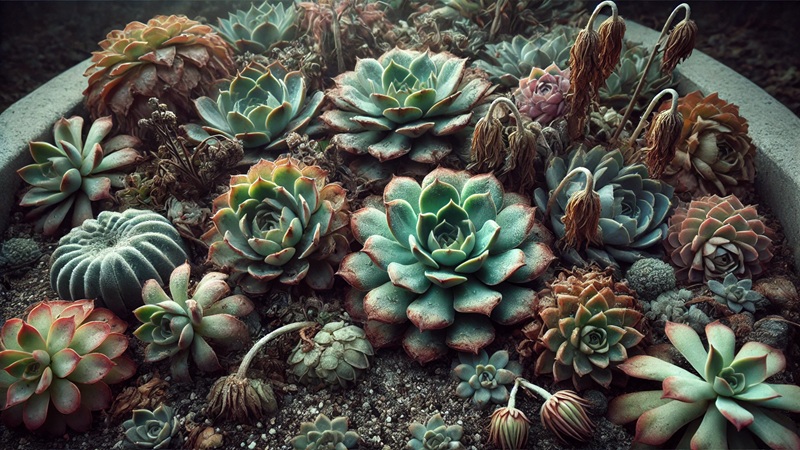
(181, 325)
(150, 429)
(435, 435)
(736, 294)
(336, 355)
(324, 433)
(483, 379)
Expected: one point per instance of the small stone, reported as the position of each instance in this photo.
(389, 419)
(259, 425)
(774, 333)
(252, 445)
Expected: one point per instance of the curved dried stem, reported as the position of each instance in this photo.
(248, 358)
(643, 120)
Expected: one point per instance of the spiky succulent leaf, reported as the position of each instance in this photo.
(484, 379)
(260, 28)
(434, 434)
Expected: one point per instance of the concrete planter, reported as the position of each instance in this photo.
(774, 129)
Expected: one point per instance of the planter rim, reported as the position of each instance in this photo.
(774, 129)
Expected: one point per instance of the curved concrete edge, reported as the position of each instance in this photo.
(32, 119)
(775, 130)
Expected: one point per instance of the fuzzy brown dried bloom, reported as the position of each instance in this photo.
(662, 141)
(241, 400)
(679, 45)
(145, 395)
(564, 415)
(611, 32)
(519, 169)
(487, 149)
(582, 219)
(203, 438)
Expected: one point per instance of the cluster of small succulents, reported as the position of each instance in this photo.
(650, 277)
(671, 306)
(434, 434)
(18, 252)
(260, 28)
(336, 355)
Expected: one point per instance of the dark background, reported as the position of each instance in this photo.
(40, 39)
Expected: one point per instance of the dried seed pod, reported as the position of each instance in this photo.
(679, 44)
(662, 140)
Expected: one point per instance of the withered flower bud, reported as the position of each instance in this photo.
(487, 149)
(582, 219)
(662, 141)
(509, 428)
(611, 32)
(564, 415)
(680, 44)
(241, 400)
(584, 66)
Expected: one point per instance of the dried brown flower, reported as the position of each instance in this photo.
(611, 32)
(203, 438)
(487, 147)
(680, 44)
(564, 415)
(242, 400)
(662, 141)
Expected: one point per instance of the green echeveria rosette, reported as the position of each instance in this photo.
(180, 326)
(280, 222)
(721, 404)
(404, 103)
(260, 107)
(325, 434)
(150, 429)
(633, 206)
(435, 435)
(483, 379)
(450, 256)
(260, 28)
(736, 294)
(340, 353)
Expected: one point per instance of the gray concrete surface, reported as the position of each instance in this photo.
(32, 119)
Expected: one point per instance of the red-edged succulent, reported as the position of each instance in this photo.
(716, 236)
(57, 365)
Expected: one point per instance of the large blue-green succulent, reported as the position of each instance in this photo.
(259, 28)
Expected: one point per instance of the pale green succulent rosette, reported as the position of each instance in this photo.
(150, 429)
(435, 434)
(260, 107)
(723, 402)
(258, 29)
(484, 378)
(450, 256)
(324, 434)
(617, 90)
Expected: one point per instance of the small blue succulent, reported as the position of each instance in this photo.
(484, 378)
(736, 293)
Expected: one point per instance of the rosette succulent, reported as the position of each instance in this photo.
(260, 107)
(178, 325)
(542, 95)
(509, 61)
(325, 434)
(715, 154)
(736, 294)
(56, 365)
(110, 258)
(449, 256)
(280, 221)
(723, 401)
(435, 435)
(72, 174)
(338, 355)
(404, 103)
(587, 334)
(617, 90)
(170, 57)
(483, 378)
(150, 429)
(717, 236)
(633, 206)
(258, 29)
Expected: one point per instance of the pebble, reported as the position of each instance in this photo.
(252, 445)
(272, 431)
(259, 425)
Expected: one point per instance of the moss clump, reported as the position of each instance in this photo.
(650, 278)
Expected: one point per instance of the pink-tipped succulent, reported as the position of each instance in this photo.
(722, 402)
(180, 326)
(56, 365)
(72, 174)
(542, 95)
(716, 236)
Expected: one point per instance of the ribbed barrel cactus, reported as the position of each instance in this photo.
(280, 221)
(150, 429)
(715, 155)
(736, 294)
(404, 103)
(170, 57)
(449, 256)
(260, 107)
(633, 206)
(258, 29)
(110, 258)
(178, 325)
(542, 95)
(339, 353)
(325, 434)
(717, 236)
(56, 365)
(71, 174)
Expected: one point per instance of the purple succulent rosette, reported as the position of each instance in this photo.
(542, 95)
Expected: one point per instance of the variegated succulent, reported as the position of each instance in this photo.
(56, 365)
(73, 173)
(260, 28)
(178, 325)
(449, 256)
(324, 434)
(716, 236)
(280, 221)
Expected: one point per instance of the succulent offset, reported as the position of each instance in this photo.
(542, 95)
(450, 256)
(150, 429)
(633, 206)
(56, 365)
(170, 57)
(111, 257)
(716, 155)
(588, 331)
(281, 221)
(178, 325)
(619, 86)
(483, 379)
(18, 252)
(325, 434)
(72, 174)
(650, 277)
(736, 294)
(435, 435)
(723, 400)
(404, 103)
(717, 236)
(260, 28)
(260, 107)
(338, 355)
